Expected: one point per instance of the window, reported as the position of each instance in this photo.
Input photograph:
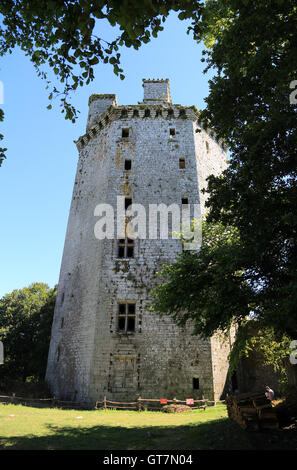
(182, 163)
(128, 202)
(125, 132)
(195, 383)
(126, 317)
(207, 146)
(124, 376)
(128, 164)
(58, 353)
(185, 201)
(172, 132)
(126, 248)
(62, 322)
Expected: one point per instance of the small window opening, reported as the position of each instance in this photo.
(126, 317)
(172, 132)
(195, 383)
(126, 248)
(128, 164)
(207, 146)
(62, 322)
(182, 163)
(125, 133)
(185, 201)
(128, 202)
(58, 353)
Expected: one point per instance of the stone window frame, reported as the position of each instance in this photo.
(185, 201)
(182, 163)
(126, 246)
(128, 202)
(125, 314)
(125, 132)
(128, 162)
(128, 376)
(172, 132)
(196, 383)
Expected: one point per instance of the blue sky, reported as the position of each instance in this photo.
(37, 178)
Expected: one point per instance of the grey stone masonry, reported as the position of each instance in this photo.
(97, 105)
(105, 339)
(156, 91)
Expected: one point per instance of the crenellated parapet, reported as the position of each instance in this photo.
(140, 111)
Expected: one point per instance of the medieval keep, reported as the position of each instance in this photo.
(105, 340)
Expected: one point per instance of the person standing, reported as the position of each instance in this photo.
(269, 393)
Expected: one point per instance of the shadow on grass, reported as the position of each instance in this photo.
(218, 434)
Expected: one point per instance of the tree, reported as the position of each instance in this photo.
(274, 350)
(66, 35)
(206, 287)
(252, 46)
(25, 326)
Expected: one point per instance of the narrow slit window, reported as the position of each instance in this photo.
(207, 146)
(58, 353)
(126, 317)
(125, 133)
(185, 201)
(128, 202)
(126, 248)
(172, 132)
(195, 383)
(182, 163)
(128, 164)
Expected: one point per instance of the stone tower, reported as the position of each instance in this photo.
(105, 340)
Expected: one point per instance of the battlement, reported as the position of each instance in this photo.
(141, 111)
(156, 91)
(98, 104)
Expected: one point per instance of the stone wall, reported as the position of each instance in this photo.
(89, 357)
(156, 91)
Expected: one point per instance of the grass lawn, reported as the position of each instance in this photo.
(26, 428)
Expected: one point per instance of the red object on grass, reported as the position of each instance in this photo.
(189, 401)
